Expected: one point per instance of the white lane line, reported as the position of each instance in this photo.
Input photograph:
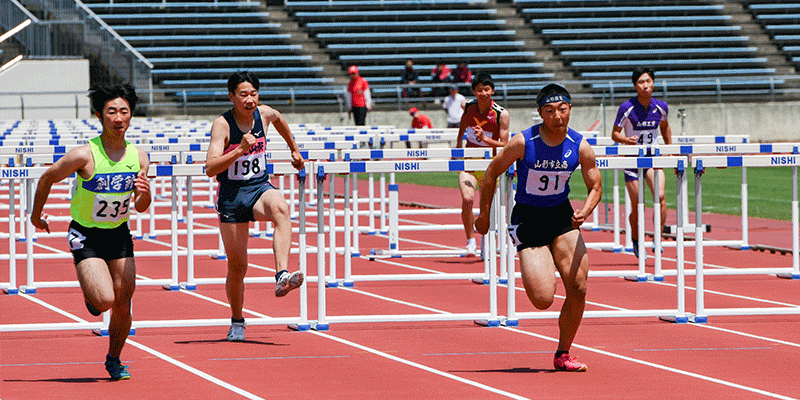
(194, 371)
(420, 366)
(659, 366)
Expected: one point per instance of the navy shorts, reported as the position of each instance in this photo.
(103, 243)
(235, 203)
(533, 226)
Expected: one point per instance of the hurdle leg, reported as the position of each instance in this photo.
(617, 247)
(745, 212)
(795, 274)
(491, 262)
(174, 235)
(12, 246)
(502, 237)
(321, 324)
(699, 314)
(30, 288)
(371, 194)
(153, 219)
(332, 282)
(657, 275)
(382, 212)
(348, 251)
(511, 314)
(680, 316)
(190, 283)
(356, 225)
(393, 231)
(303, 325)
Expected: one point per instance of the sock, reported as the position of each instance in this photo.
(279, 274)
(234, 320)
(471, 241)
(560, 353)
(110, 359)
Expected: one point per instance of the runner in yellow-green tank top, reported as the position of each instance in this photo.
(111, 179)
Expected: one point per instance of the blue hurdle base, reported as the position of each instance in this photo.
(789, 276)
(219, 257)
(11, 291)
(356, 254)
(104, 332)
(333, 284)
(658, 278)
(637, 278)
(187, 286)
(171, 287)
(320, 327)
(487, 322)
(510, 322)
(480, 281)
(676, 319)
(299, 327)
(698, 319)
(348, 283)
(28, 289)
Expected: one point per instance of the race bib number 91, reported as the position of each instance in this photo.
(111, 208)
(545, 183)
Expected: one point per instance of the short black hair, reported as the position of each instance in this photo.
(242, 76)
(549, 90)
(100, 93)
(483, 78)
(639, 71)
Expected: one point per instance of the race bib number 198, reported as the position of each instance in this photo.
(247, 167)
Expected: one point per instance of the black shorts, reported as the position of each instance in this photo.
(103, 243)
(235, 203)
(538, 226)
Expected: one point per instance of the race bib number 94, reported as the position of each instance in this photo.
(111, 208)
(545, 183)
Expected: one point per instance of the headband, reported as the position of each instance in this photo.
(556, 98)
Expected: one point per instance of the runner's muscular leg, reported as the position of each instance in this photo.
(538, 276)
(633, 195)
(271, 206)
(468, 185)
(96, 283)
(572, 262)
(123, 274)
(234, 237)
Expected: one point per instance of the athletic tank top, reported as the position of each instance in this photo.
(250, 168)
(641, 121)
(104, 200)
(543, 173)
(487, 121)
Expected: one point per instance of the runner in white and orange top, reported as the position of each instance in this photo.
(483, 124)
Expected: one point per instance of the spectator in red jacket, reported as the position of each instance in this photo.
(358, 96)
(419, 121)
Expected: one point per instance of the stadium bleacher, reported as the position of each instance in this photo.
(379, 36)
(195, 45)
(781, 20)
(681, 39)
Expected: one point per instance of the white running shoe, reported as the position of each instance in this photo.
(471, 247)
(236, 333)
(288, 282)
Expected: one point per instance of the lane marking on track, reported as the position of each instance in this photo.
(658, 366)
(194, 371)
(419, 366)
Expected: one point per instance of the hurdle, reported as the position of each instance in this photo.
(300, 322)
(351, 167)
(700, 164)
